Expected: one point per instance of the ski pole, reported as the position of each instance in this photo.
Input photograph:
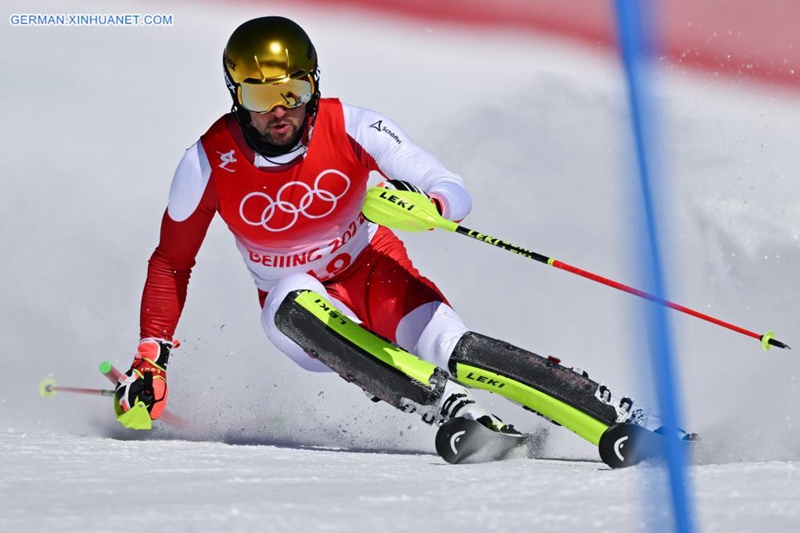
(48, 388)
(767, 339)
(112, 373)
(400, 210)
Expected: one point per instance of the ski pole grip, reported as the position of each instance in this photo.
(109, 371)
(403, 210)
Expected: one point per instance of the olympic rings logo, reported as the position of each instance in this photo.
(316, 202)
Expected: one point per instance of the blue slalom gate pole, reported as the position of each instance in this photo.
(637, 39)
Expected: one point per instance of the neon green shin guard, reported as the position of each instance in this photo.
(359, 356)
(537, 383)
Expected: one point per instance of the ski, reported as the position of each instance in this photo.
(466, 441)
(624, 445)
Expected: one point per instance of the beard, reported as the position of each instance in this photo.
(263, 137)
(287, 139)
(284, 131)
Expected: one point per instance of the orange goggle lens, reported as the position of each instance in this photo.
(263, 97)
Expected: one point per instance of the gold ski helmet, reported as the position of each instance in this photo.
(271, 61)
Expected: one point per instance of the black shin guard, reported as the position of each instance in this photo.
(359, 356)
(535, 382)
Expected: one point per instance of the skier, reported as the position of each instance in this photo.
(287, 171)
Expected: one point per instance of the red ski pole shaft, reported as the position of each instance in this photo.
(48, 388)
(112, 373)
(78, 390)
(636, 292)
(767, 339)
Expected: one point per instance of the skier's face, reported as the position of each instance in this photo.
(280, 126)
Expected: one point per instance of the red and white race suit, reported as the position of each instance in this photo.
(296, 219)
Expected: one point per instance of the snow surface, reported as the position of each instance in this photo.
(96, 120)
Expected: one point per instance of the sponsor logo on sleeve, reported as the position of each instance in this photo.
(380, 127)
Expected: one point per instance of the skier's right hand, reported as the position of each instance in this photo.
(400, 185)
(145, 383)
(406, 208)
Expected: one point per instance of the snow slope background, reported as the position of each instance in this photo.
(96, 120)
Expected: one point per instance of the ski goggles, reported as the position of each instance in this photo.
(264, 97)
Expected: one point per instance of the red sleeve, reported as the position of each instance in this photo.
(171, 266)
(363, 156)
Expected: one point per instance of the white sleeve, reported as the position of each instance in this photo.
(189, 183)
(397, 157)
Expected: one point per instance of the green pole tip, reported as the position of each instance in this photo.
(47, 388)
(105, 367)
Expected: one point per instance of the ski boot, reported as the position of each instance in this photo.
(457, 402)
